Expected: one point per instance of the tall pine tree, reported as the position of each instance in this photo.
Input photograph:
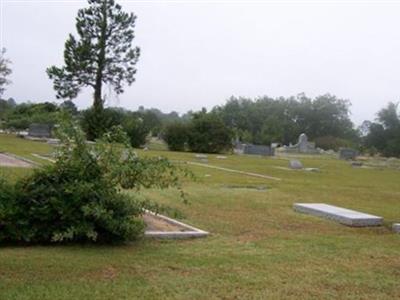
(5, 71)
(102, 54)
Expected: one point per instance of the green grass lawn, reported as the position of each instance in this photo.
(259, 248)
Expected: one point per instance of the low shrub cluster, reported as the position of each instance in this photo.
(205, 133)
(80, 197)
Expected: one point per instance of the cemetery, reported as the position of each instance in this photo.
(246, 219)
(199, 150)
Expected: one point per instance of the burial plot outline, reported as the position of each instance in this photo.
(186, 231)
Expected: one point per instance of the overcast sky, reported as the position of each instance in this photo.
(197, 54)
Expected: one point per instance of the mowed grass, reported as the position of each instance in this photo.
(24, 148)
(259, 248)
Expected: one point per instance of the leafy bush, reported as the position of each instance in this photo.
(334, 143)
(135, 129)
(176, 136)
(97, 122)
(22, 115)
(132, 124)
(208, 134)
(80, 197)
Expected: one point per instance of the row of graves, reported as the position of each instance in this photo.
(303, 146)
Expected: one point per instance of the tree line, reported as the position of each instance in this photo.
(103, 54)
(325, 119)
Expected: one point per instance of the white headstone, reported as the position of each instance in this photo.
(295, 164)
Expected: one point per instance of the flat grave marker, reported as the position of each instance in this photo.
(342, 215)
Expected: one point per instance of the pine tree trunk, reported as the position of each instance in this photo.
(98, 102)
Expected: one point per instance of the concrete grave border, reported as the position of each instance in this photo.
(192, 232)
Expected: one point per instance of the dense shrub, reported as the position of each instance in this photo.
(132, 124)
(21, 116)
(80, 198)
(384, 135)
(71, 201)
(334, 143)
(176, 136)
(96, 122)
(208, 134)
(135, 129)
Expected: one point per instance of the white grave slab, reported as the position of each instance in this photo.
(396, 227)
(342, 215)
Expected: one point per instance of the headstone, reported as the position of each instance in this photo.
(396, 227)
(40, 130)
(303, 143)
(356, 164)
(221, 157)
(295, 164)
(302, 146)
(200, 156)
(347, 153)
(258, 150)
(342, 215)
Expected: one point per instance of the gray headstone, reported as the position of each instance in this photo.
(303, 143)
(396, 227)
(295, 164)
(258, 150)
(40, 130)
(347, 153)
(356, 164)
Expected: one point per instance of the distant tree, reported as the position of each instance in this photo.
(389, 116)
(176, 136)
(151, 121)
(103, 54)
(265, 120)
(5, 71)
(92, 122)
(208, 134)
(24, 114)
(136, 129)
(69, 106)
(384, 135)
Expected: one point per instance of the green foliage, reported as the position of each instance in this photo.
(384, 135)
(208, 134)
(265, 120)
(176, 136)
(5, 71)
(204, 132)
(334, 143)
(22, 115)
(132, 123)
(102, 53)
(136, 129)
(70, 107)
(80, 197)
(6, 107)
(96, 122)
